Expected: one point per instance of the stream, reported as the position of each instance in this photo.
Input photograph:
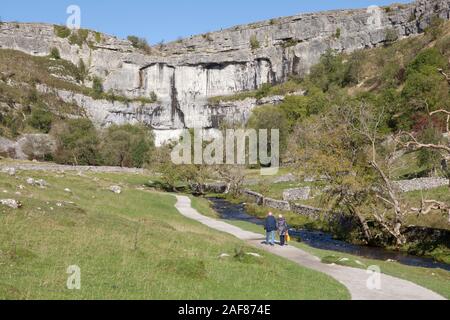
(325, 241)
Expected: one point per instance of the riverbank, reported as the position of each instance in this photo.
(423, 240)
(434, 279)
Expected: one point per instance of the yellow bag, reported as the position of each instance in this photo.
(288, 237)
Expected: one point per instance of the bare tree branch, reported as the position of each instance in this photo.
(447, 77)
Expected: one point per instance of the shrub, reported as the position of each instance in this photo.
(97, 86)
(98, 37)
(79, 37)
(337, 35)
(62, 31)
(82, 71)
(127, 146)
(139, 43)
(54, 53)
(329, 71)
(78, 142)
(41, 119)
(429, 57)
(263, 91)
(435, 28)
(153, 96)
(254, 43)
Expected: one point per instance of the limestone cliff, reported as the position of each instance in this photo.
(185, 73)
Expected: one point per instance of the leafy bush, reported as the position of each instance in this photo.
(82, 71)
(337, 35)
(435, 29)
(62, 31)
(139, 43)
(79, 37)
(271, 117)
(254, 43)
(127, 146)
(153, 97)
(429, 57)
(54, 53)
(41, 119)
(78, 142)
(330, 70)
(98, 37)
(97, 87)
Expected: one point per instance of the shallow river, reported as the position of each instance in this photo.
(321, 240)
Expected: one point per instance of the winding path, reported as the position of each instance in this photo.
(354, 279)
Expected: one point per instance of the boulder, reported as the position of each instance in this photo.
(11, 203)
(39, 182)
(9, 171)
(115, 189)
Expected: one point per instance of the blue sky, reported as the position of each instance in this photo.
(158, 20)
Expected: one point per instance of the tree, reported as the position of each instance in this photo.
(127, 146)
(268, 118)
(97, 86)
(78, 142)
(54, 54)
(348, 148)
(40, 118)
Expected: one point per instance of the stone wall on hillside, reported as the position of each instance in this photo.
(421, 184)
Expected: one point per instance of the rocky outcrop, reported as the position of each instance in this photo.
(184, 74)
(28, 147)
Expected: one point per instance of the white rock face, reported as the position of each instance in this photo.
(186, 73)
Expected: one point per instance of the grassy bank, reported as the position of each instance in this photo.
(133, 245)
(434, 279)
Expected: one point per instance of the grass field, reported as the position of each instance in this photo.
(130, 246)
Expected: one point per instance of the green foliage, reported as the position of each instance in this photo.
(98, 37)
(435, 29)
(79, 37)
(337, 35)
(61, 31)
(97, 87)
(153, 97)
(78, 142)
(139, 43)
(331, 70)
(127, 146)
(430, 159)
(41, 119)
(82, 71)
(268, 118)
(254, 43)
(54, 54)
(427, 58)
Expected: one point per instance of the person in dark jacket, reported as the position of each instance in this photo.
(283, 229)
(270, 225)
